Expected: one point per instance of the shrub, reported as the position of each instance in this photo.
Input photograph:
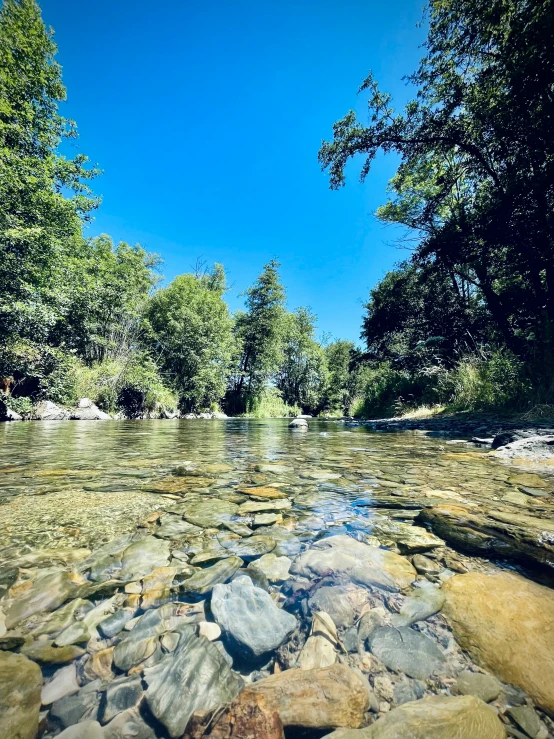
(269, 404)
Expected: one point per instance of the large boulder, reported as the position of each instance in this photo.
(20, 687)
(438, 717)
(349, 559)
(249, 618)
(319, 699)
(489, 532)
(48, 411)
(506, 622)
(88, 411)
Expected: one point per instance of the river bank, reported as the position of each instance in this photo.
(241, 579)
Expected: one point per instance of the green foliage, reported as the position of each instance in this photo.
(44, 197)
(302, 376)
(190, 330)
(269, 404)
(343, 378)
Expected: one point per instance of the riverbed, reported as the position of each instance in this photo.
(221, 578)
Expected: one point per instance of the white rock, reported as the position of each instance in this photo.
(63, 683)
(210, 630)
(317, 652)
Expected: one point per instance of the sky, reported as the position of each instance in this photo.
(206, 119)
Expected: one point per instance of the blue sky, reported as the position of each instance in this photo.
(206, 118)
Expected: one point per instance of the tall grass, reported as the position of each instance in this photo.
(269, 404)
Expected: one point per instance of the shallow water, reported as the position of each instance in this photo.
(80, 485)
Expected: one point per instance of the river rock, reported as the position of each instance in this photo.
(300, 424)
(409, 539)
(46, 410)
(343, 603)
(249, 617)
(485, 687)
(128, 725)
(63, 683)
(320, 699)
(46, 653)
(506, 623)
(84, 730)
(88, 411)
(48, 592)
(210, 513)
(250, 548)
(526, 718)
(115, 623)
(256, 506)
(263, 492)
(204, 581)
(121, 695)
(20, 687)
(422, 603)
(143, 640)
(316, 652)
(404, 650)
(193, 677)
(437, 717)
(276, 569)
(488, 532)
(81, 706)
(174, 527)
(426, 566)
(157, 586)
(143, 556)
(363, 564)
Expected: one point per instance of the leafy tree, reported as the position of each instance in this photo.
(259, 331)
(342, 383)
(476, 180)
(191, 337)
(44, 197)
(302, 376)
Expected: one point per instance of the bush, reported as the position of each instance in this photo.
(269, 404)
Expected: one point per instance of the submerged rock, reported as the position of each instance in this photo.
(204, 581)
(320, 699)
(343, 603)
(299, 424)
(249, 617)
(275, 568)
(363, 564)
(250, 548)
(128, 725)
(194, 677)
(48, 592)
(210, 513)
(506, 623)
(63, 683)
(404, 650)
(485, 687)
(317, 652)
(20, 687)
(437, 717)
(121, 695)
(84, 730)
(422, 603)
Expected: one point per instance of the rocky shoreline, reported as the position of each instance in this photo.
(225, 614)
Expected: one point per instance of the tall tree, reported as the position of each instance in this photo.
(44, 197)
(476, 178)
(259, 332)
(191, 336)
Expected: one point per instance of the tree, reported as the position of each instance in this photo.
(475, 185)
(191, 336)
(341, 357)
(44, 197)
(259, 332)
(302, 376)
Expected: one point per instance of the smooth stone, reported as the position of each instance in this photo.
(249, 617)
(506, 623)
(405, 650)
(403, 693)
(298, 423)
(371, 620)
(115, 623)
(61, 619)
(436, 717)
(9, 643)
(204, 581)
(48, 592)
(120, 696)
(321, 699)
(426, 566)
(142, 642)
(46, 653)
(276, 569)
(141, 557)
(209, 630)
(409, 538)
(20, 688)
(267, 519)
(341, 602)
(526, 718)
(263, 492)
(63, 683)
(256, 575)
(157, 587)
(316, 652)
(81, 706)
(250, 548)
(256, 506)
(100, 665)
(173, 527)
(194, 677)
(8, 576)
(128, 725)
(84, 730)
(363, 564)
(422, 603)
(210, 513)
(485, 687)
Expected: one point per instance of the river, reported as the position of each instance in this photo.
(153, 569)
